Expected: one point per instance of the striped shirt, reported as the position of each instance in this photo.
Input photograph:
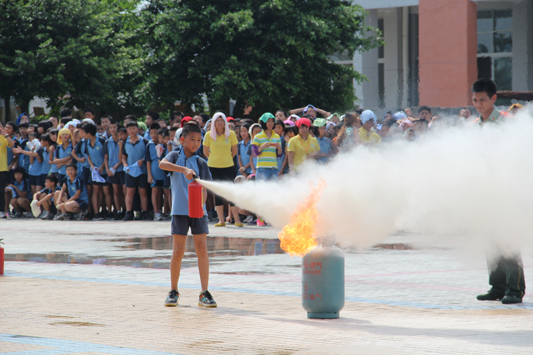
(268, 157)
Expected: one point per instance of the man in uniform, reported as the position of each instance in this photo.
(506, 271)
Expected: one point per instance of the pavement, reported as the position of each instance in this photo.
(98, 288)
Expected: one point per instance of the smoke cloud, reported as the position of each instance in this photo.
(465, 182)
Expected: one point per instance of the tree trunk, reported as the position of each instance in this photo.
(7, 100)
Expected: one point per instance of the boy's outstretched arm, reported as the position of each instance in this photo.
(168, 166)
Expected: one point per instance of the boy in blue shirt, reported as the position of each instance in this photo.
(45, 197)
(17, 194)
(72, 198)
(113, 166)
(156, 176)
(185, 163)
(133, 156)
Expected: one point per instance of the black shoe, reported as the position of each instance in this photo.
(146, 216)
(137, 217)
(172, 299)
(88, 217)
(206, 300)
(118, 216)
(50, 216)
(511, 299)
(128, 216)
(98, 217)
(489, 296)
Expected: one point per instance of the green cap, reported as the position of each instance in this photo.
(319, 122)
(142, 126)
(331, 116)
(266, 116)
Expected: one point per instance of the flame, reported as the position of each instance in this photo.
(298, 237)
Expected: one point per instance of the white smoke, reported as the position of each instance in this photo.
(467, 181)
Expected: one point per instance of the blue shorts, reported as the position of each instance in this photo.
(140, 181)
(167, 183)
(61, 178)
(267, 174)
(81, 204)
(180, 225)
(157, 183)
(86, 176)
(36, 180)
(104, 176)
(118, 179)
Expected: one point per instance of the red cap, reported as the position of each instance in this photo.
(230, 119)
(303, 121)
(185, 120)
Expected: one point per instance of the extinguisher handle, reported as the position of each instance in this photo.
(194, 176)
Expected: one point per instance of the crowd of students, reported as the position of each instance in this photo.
(70, 169)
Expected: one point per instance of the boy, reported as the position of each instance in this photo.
(133, 156)
(17, 193)
(506, 275)
(84, 169)
(187, 163)
(6, 155)
(24, 160)
(156, 176)
(73, 195)
(94, 151)
(113, 166)
(34, 169)
(45, 197)
(163, 136)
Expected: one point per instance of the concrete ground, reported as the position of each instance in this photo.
(99, 287)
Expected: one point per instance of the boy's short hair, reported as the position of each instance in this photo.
(65, 120)
(123, 130)
(163, 132)
(424, 108)
(52, 178)
(72, 166)
(65, 112)
(19, 169)
(154, 126)
(24, 125)
(54, 131)
(132, 124)
(485, 85)
(91, 110)
(174, 114)
(173, 129)
(205, 117)
(35, 134)
(280, 123)
(153, 114)
(89, 128)
(131, 117)
(14, 125)
(190, 128)
(108, 116)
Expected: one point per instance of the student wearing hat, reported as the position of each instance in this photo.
(267, 148)
(366, 133)
(302, 146)
(63, 153)
(320, 132)
(311, 111)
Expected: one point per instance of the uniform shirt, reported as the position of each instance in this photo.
(151, 156)
(495, 117)
(243, 153)
(374, 138)
(112, 150)
(220, 150)
(63, 153)
(23, 185)
(179, 183)
(302, 148)
(96, 151)
(133, 153)
(81, 151)
(48, 191)
(74, 186)
(35, 167)
(24, 160)
(4, 161)
(45, 165)
(53, 167)
(325, 147)
(268, 158)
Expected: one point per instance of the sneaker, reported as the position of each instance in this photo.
(98, 217)
(166, 217)
(136, 216)
(71, 216)
(128, 216)
(260, 223)
(18, 215)
(511, 299)
(88, 217)
(145, 216)
(489, 296)
(239, 225)
(219, 224)
(43, 215)
(50, 216)
(172, 298)
(27, 214)
(248, 219)
(81, 215)
(158, 216)
(3, 215)
(9, 215)
(206, 300)
(62, 217)
(118, 216)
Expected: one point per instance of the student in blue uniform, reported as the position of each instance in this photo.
(156, 176)
(114, 168)
(72, 198)
(18, 193)
(63, 153)
(133, 159)
(45, 197)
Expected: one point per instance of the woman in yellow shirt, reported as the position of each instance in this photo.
(302, 146)
(366, 132)
(220, 147)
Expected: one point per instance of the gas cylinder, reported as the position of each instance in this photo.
(196, 200)
(323, 282)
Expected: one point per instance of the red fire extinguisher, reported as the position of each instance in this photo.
(196, 199)
(1, 260)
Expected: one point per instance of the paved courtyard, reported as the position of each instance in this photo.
(99, 287)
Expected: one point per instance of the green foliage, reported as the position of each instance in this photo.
(54, 47)
(38, 119)
(272, 53)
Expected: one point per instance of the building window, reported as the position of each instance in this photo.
(495, 47)
(381, 67)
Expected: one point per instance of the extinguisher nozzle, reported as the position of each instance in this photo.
(195, 177)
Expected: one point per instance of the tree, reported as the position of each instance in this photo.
(273, 53)
(84, 48)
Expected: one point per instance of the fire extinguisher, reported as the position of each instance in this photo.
(196, 199)
(1, 260)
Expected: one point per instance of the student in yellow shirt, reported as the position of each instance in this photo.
(366, 132)
(220, 147)
(5, 142)
(302, 146)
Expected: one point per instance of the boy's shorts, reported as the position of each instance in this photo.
(118, 179)
(140, 181)
(86, 176)
(82, 205)
(61, 179)
(180, 225)
(35, 180)
(106, 183)
(167, 183)
(157, 183)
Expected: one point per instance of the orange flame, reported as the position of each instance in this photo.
(298, 237)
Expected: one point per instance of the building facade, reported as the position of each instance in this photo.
(435, 49)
